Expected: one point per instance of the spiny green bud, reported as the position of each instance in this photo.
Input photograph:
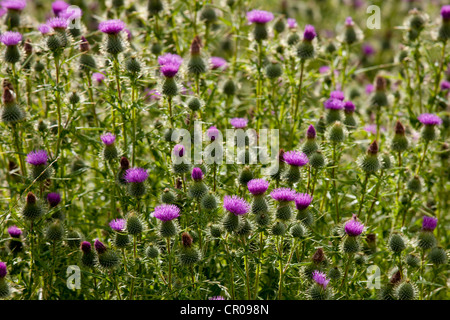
(350, 245)
(208, 14)
(194, 104)
(152, 252)
(370, 163)
(284, 211)
(181, 168)
(108, 259)
(54, 43)
(334, 273)
(197, 190)
(168, 196)
(230, 222)
(279, 25)
(412, 261)
(387, 292)
(124, 166)
(55, 231)
(333, 115)
(306, 217)
(428, 133)
(437, 256)
(196, 65)
(189, 256)
(317, 160)
(4, 287)
(386, 161)
(263, 219)
(169, 87)
(396, 243)
(168, 229)
(292, 175)
(110, 152)
(156, 48)
(132, 65)
(154, 7)
(399, 142)
(229, 87)
(74, 238)
(245, 228)
(337, 133)
(274, 70)
(87, 62)
(305, 50)
(406, 291)
(208, 202)
(360, 260)
(259, 204)
(427, 240)
(298, 231)
(414, 185)
(215, 231)
(12, 54)
(121, 240)
(321, 126)
(293, 39)
(245, 176)
(134, 224)
(74, 98)
(309, 147)
(350, 121)
(114, 44)
(260, 32)
(278, 229)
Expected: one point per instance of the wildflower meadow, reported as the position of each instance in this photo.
(224, 150)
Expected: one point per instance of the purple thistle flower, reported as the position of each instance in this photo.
(118, 224)
(166, 212)
(445, 85)
(45, 29)
(170, 58)
(324, 69)
(179, 150)
(292, 23)
(170, 70)
(239, 123)
(368, 50)
(197, 174)
(213, 133)
(152, 95)
(3, 270)
(218, 63)
(38, 157)
(73, 13)
(108, 138)
(429, 119)
(11, 38)
(17, 5)
(86, 246)
(311, 132)
(57, 23)
(98, 77)
(59, 6)
(302, 201)
(111, 26)
(334, 104)
(349, 22)
(349, 106)
(259, 16)
(309, 33)
(429, 223)
(257, 186)
(99, 246)
(445, 12)
(320, 278)
(136, 175)
(129, 34)
(2, 12)
(337, 94)
(53, 198)
(236, 205)
(14, 232)
(295, 158)
(369, 89)
(216, 298)
(353, 227)
(283, 194)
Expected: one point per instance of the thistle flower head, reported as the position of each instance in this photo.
(152, 95)
(334, 104)
(320, 278)
(59, 6)
(337, 94)
(99, 246)
(218, 63)
(186, 240)
(14, 232)
(31, 198)
(239, 123)
(302, 201)
(11, 38)
(53, 198)
(118, 224)
(445, 85)
(108, 138)
(170, 58)
(324, 69)
(349, 106)
(283, 194)
(166, 212)
(353, 227)
(349, 22)
(369, 89)
(311, 132)
(45, 29)
(179, 150)
(445, 12)
(170, 70)
(236, 205)
(197, 174)
(3, 270)
(309, 33)
(86, 247)
(213, 133)
(259, 16)
(429, 119)
(292, 23)
(257, 186)
(57, 23)
(295, 158)
(136, 175)
(373, 148)
(429, 223)
(113, 26)
(38, 157)
(73, 13)
(17, 5)
(98, 77)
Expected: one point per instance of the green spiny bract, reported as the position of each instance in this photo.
(386, 161)
(273, 70)
(260, 32)
(298, 231)
(396, 243)
(350, 121)
(15, 245)
(387, 292)
(208, 14)
(428, 133)
(230, 222)
(74, 238)
(334, 273)
(412, 261)
(114, 44)
(169, 87)
(284, 211)
(229, 88)
(414, 185)
(181, 168)
(121, 240)
(263, 219)
(444, 31)
(208, 202)
(134, 224)
(306, 217)
(279, 25)
(55, 231)
(168, 229)
(40, 172)
(152, 252)
(259, 204)
(350, 245)
(317, 292)
(333, 115)
(194, 104)
(245, 176)
(406, 291)
(154, 7)
(293, 39)
(427, 240)
(317, 160)
(89, 259)
(109, 259)
(133, 66)
(197, 190)
(136, 189)
(12, 54)
(336, 133)
(33, 209)
(196, 64)
(245, 228)
(292, 174)
(168, 196)
(215, 231)
(310, 147)
(4, 288)
(278, 229)
(437, 256)
(305, 50)
(189, 255)
(87, 62)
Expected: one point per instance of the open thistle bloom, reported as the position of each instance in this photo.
(98, 77)
(334, 107)
(305, 49)
(118, 225)
(292, 23)
(337, 94)
(110, 151)
(257, 186)
(38, 159)
(170, 58)
(239, 123)
(45, 29)
(135, 177)
(114, 44)
(429, 223)
(259, 18)
(166, 213)
(53, 199)
(14, 8)
(320, 278)
(426, 238)
(11, 39)
(169, 67)
(430, 121)
(4, 287)
(302, 203)
(444, 30)
(59, 7)
(236, 205)
(14, 232)
(295, 160)
(283, 194)
(353, 227)
(218, 63)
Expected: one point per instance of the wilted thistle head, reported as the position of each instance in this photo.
(136, 175)
(302, 201)
(318, 256)
(429, 223)
(166, 212)
(14, 232)
(353, 227)
(99, 246)
(373, 148)
(186, 240)
(37, 158)
(257, 186)
(320, 278)
(236, 205)
(118, 224)
(283, 194)
(53, 198)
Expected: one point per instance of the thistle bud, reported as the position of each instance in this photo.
(196, 64)
(396, 243)
(336, 133)
(32, 210)
(406, 291)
